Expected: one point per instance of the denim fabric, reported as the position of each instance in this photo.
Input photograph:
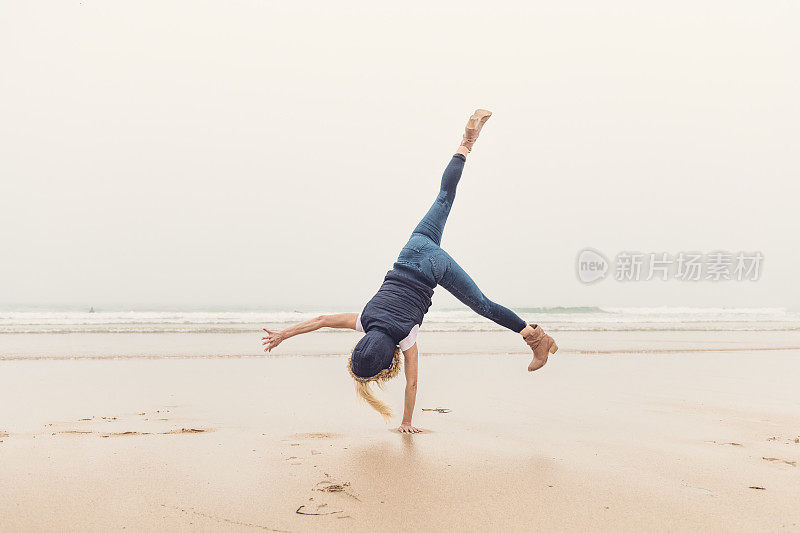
(423, 249)
(405, 295)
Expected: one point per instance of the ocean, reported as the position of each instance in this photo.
(106, 334)
(444, 320)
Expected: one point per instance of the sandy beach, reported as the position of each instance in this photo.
(179, 179)
(628, 437)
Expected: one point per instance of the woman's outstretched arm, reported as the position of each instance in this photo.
(411, 360)
(341, 320)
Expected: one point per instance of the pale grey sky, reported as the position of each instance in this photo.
(277, 154)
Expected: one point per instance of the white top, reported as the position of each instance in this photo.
(405, 344)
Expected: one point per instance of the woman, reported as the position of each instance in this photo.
(392, 317)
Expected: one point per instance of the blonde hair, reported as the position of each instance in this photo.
(364, 391)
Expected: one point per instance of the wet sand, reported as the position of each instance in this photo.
(662, 441)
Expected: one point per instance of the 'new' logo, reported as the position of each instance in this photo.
(592, 266)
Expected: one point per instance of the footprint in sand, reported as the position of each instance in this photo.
(184, 431)
(317, 510)
(331, 485)
(791, 440)
(327, 486)
(778, 460)
(125, 432)
(316, 436)
(105, 435)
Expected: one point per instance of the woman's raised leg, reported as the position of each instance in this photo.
(432, 224)
(452, 277)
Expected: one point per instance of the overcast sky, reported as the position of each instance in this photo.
(278, 154)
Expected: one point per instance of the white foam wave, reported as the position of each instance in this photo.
(589, 319)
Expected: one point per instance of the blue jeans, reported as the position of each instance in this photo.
(435, 266)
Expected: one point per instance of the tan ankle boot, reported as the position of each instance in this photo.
(474, 125)
(542, 345)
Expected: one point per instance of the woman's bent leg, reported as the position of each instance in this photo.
(432, 224)
(460, 285)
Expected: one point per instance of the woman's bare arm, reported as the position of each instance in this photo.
(341, 320)
(411, 367)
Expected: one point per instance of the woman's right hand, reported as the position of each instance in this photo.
(272, 339)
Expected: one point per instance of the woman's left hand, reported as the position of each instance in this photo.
(408, 428)
(272, 339)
